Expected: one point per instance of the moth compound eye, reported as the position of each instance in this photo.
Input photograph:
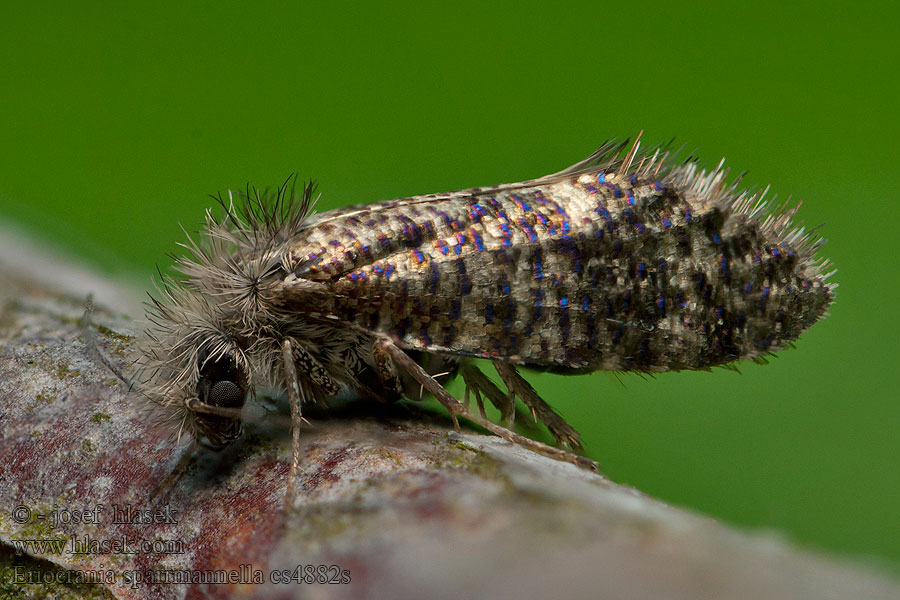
(222, 384)
(226, 393)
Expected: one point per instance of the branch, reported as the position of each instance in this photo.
(393, 498)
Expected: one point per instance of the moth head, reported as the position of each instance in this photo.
(194, 356)
(193, 366)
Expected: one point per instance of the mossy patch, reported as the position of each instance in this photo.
(39, 399)
(118, 341)
(64, 371)
(43, 579)
(454, 453)
(87, 447)
(99, 417)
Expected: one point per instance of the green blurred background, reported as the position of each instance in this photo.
(117, 121)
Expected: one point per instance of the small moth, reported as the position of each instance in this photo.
(624, 262)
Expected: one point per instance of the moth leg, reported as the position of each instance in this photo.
(516, 384)
(478, 399)
(294, 395)
(480, 384)
(386, 351)
(310, 368)
(295, 356)
(442, 367)
(472, 387)
(415, 370)
(387, 374)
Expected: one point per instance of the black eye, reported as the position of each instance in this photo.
(226, 393)
(222, 384)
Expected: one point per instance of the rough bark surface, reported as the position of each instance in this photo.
(394, 497)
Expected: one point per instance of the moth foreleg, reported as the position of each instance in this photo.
(517, 385)
(293, 385)
(310, 369)
(298, 362)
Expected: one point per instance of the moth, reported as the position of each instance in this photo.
(625, 261)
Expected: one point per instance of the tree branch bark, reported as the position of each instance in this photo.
(392, 499)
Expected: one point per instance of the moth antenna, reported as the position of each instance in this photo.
(187, 459)
(90, 340)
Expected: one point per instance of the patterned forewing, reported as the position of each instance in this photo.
(590, 271)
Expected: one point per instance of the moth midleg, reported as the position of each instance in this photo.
(454, 407)
(517, 385)
(293, 385)
(437, 365)
(386, 350)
